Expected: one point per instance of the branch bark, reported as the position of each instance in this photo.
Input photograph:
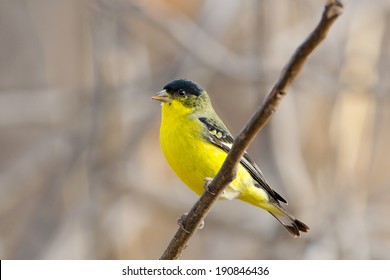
(226, 174)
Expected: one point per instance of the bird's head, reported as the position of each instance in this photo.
(185, 92)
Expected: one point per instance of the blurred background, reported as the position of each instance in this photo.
(81, 171)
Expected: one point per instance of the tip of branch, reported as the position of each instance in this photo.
(333, 8)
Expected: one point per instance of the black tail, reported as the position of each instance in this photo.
(294, 226)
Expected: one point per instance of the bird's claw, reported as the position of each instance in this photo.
(207, 181)
(181, 220)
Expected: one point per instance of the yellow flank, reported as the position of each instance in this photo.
(193, 159)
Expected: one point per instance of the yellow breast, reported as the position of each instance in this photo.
(191, 157)
(187, 154)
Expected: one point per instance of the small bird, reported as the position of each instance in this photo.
(195, 142)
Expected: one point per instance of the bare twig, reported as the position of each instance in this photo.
(228, 170)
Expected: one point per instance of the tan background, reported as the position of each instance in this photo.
(81, 172)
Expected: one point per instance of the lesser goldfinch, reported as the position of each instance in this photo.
(195, 142)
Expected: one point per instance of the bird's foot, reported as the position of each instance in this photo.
(207, 181)
(181, 220)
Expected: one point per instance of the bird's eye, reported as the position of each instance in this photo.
(182, 92)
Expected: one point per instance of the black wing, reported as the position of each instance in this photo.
(220, 136)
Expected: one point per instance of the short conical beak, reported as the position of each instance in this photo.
(162, 96)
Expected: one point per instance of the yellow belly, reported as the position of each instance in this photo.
(193, 159)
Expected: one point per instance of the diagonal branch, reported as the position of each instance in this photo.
(191, 223)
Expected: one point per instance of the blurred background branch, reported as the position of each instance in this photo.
(79, 152)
